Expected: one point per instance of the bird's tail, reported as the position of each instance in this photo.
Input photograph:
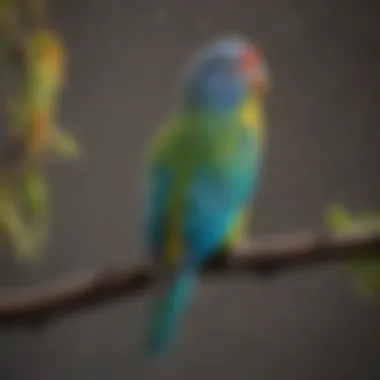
(167, 312)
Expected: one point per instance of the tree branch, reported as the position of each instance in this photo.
(263, 256)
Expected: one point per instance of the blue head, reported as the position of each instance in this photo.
(223, 73)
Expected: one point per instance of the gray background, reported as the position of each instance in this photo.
(324, 135)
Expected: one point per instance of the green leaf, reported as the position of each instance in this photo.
(16, 232)
(337, 218)
(34, 193)
(364, 272)
(66, 146)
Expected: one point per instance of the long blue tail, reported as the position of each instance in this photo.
(167, 312)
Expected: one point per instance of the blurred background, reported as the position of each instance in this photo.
(324, 116)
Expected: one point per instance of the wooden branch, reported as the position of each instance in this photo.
(262, 256)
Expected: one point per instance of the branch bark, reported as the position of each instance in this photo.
(268, 255)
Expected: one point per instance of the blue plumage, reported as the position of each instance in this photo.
(167, 312)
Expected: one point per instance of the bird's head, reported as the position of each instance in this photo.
(225, 71)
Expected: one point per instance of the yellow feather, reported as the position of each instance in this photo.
(252, 116)
(236, 230)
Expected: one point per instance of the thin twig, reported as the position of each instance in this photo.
(268, 255)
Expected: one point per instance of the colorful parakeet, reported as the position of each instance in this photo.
(204, 168)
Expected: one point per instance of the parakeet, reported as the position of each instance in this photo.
(203, 170)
